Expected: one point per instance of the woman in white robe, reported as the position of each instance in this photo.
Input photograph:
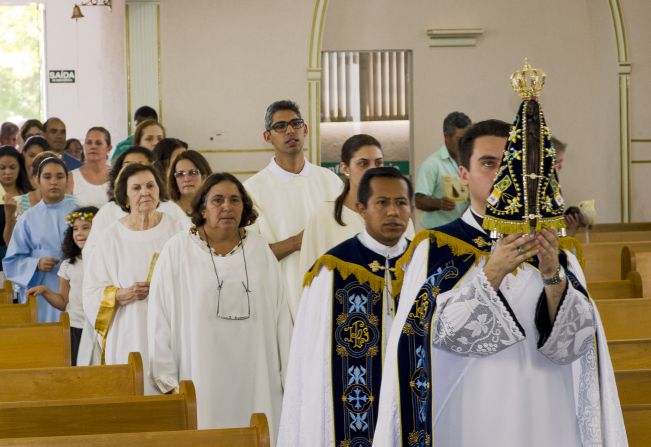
(118, 270)
(111, 211)
(218, 312)
(331, 223)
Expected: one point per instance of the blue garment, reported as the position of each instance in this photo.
(38, 233)
(71, 162)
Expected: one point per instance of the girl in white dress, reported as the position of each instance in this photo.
(71, 275)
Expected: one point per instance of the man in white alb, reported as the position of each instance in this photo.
(287, 191)
(498, 348)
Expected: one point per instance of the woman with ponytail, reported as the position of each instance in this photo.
(334, 222)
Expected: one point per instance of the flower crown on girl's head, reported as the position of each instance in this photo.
(88, 216)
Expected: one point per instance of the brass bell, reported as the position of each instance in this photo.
(76, 13)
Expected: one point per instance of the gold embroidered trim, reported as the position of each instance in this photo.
(345, 269)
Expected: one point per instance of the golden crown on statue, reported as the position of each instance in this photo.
(528, 82)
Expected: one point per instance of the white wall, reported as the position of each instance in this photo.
(572, 41)
(95, 48)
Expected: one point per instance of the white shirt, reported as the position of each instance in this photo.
(86, 193)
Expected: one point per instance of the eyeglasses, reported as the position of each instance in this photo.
(191, 173)
(281, 126)
(220, 286)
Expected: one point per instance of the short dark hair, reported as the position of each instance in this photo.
(8, 129)
(274, 107)
(36, 140)
(491, 128)
(558, 144)
(163, 152)
(348, 149)
(69, 248)
(455, 120)
(22, 181)
(28, 125)
(249, 214)
(197, 159)
(365, 191)
(145, 112)
(118, 164)
(120, 191)
(52, 119)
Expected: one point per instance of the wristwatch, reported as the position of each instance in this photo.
(558, 277)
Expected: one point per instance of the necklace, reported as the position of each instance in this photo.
(220, 283)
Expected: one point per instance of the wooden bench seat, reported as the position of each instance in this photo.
(70, 382)
(631, 287)
(630, 354)
(19, 313)
(256, 435)
(35, 345)
(637, 419)
(634, 387)
(626, 318)
(125, 414)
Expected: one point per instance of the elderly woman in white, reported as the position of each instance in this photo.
(218, 313)
(116, 280)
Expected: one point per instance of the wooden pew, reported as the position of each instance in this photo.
(621, 227)
(69, 382)
(35, 345)
(124, 414)
(634, 387)
(626, 318)
(256, 435)
(638, 258)
(606, 260)
(6, 293)
(630, 354)
(614, 236)
(19, 313)
(631, 287)
(637, 419)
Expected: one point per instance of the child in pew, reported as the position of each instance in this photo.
(71, 275)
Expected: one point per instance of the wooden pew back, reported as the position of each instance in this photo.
(630, 354)
(634, 387)
(638, 258)
(36, 384)
(631, 287)
(614, 236)
(19, 313)
(6, 293)
(257, 435)
(125, 414)
(35, 345)
(606, 260)
(626, 318)
(637, 419)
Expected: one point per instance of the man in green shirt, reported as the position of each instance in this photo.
(439, 192)
(143, 113)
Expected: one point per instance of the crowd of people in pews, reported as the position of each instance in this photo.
(279, 295)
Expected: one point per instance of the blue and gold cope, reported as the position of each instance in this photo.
(454, 248)
(358, 318)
